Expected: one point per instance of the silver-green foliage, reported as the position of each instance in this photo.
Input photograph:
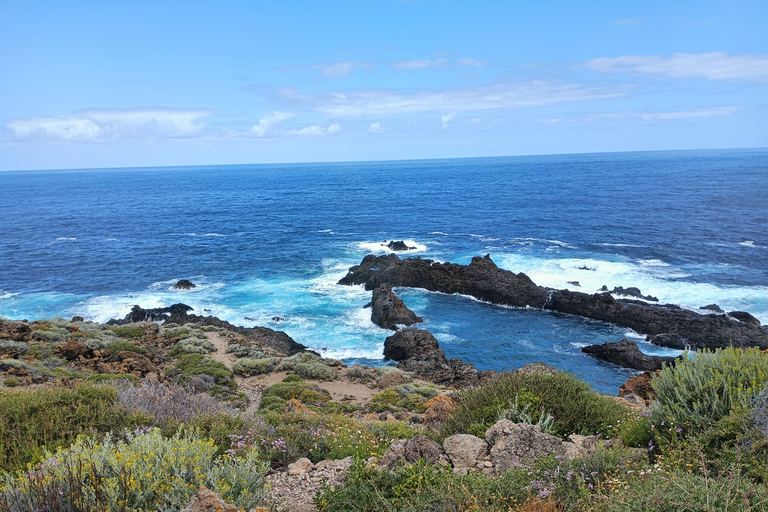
(195, 345)
(704, 388)
(143, 472)
(248, 366)
(519, 414)
(309, 366)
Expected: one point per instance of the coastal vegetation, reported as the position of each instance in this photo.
(140, 416)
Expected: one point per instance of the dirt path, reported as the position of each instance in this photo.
(247, 385)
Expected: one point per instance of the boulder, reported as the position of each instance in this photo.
(184, 284)
(626, 353)
(580, 446)
(511, 443)
(743, 316)
(77, 319)
(389, 311)
(419, 352)
(438, 410)
(208, 501)
(391, 379)
(394, 454)
(713, 307)
(300, 467)
(639, 385)
(422, 447)
(465, 450)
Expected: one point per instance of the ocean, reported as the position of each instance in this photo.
(267, 241)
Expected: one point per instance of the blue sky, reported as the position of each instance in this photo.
(111, 84)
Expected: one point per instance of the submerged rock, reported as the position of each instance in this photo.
(399, 246)
(389, 311)
(633, 292)
(626, 353)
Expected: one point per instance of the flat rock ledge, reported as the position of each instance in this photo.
(664, 324)
(627, 354)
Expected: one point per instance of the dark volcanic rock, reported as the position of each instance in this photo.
(419, 352)
(633, 292)
(184, 284)
(398, 246)
(178, 314)
(743, 316)
(388, 311)
(714, 307)
(625, 353)
(483, 280)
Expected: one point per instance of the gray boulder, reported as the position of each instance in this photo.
(465, 450)
(512, 443)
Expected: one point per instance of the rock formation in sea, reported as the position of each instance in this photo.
(399, 245)
(664, 324)
(626, 353)
(178, 314)
(184, 284)
(389, 311)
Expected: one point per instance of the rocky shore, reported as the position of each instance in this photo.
(665, 325)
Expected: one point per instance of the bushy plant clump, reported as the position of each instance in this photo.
(164, 402)
(193, 345)
(575, 407)
(125, 346)
(705, 387)
(309, 366)
(144, 472)
(33, 420)
(247, 366)
(190, 365)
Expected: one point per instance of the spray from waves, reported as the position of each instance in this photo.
(653, 277)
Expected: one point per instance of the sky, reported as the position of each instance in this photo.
(148, 83)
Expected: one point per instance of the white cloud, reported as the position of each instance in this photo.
(376, 128)
(446, 119)
(711, 66)
(111, 124)
(474, 63)
(315, 130)
(376, 102)
(681, 114)
(337, 69)
(411, 65)
(269, 121)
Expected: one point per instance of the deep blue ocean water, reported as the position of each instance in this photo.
(690, 227)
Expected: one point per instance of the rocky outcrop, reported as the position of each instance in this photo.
(626, 353)
(184, 284)
(512, 443)
(297, 491)
(633, 292)
(399, 245)
(277, 341)
(412, 450)
(419, 352)
(639, 385)
(743, 316)
(464, 450)
(483, 280)
(389, 311)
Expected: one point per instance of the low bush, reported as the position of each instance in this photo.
(575, 407)
(135, 332)
(302, 391)
(117, 379)
(344, 437)
(167, 402)
(120, 346)
(634, 430)
(190, 365)
(193, 345)
(34, 420)
(144, 472)
(309, 366)
(248, 366)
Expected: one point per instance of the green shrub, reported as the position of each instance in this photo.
(248, 366)
(11, 382)
(309, 366)
(388, 397)
(292, 378)
(575, 407)
(132, 332)
(193, 345)
(393, 429)
(272, 403)
(199, 364)
(343, 437)
(360, 373)
(112, 378)
(704, 388)
(301, 391)
(634, 431)
(145, 472)
(119, 346)
(408, 389)
(33, 420)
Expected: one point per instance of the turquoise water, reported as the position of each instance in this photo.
(689, 227)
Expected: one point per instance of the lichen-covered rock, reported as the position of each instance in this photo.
(580, 446)
(422, 447)
(512, 443)
(300, 467)
(438, 410)
(394, 454)
(465, 450)
(208, 501)
(640, 385)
